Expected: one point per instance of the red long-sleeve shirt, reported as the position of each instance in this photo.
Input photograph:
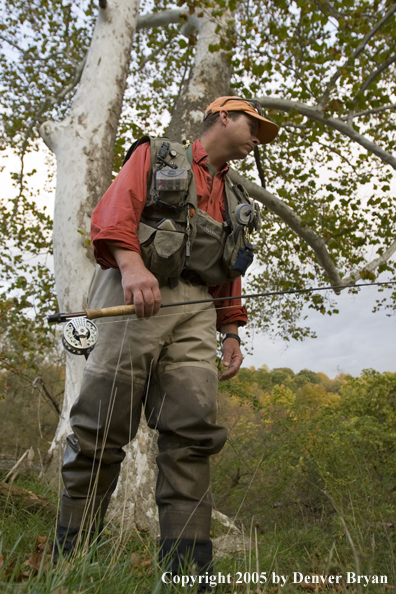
(116, 218)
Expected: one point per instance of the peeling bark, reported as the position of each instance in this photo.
(210, 78)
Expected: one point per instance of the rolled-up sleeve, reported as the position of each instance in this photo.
(230, 310)
(116, 217)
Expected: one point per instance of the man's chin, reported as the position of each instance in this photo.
(242, 154)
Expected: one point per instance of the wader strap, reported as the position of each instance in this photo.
(189, 154)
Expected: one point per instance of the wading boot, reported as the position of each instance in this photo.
(188, 557)
(67, 538)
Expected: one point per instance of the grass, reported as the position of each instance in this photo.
(126, 566)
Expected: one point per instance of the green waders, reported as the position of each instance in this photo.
(176, 349)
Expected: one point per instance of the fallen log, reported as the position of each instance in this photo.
(26, 499)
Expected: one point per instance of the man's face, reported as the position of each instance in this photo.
(241, 135)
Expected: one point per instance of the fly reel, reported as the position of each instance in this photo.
(245, 214)
(80, 336)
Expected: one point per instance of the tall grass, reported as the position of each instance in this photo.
(117, 564)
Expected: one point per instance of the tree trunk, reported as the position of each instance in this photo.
(209, 78)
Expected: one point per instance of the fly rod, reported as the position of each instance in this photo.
(80, 334)
(124, 310)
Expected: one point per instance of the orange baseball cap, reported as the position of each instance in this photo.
(268, 130)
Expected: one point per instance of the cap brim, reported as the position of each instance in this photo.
(268, 130)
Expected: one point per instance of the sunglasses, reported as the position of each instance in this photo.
(253, 102)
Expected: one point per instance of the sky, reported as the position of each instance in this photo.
(353, 340)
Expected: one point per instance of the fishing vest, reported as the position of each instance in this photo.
(176, 236)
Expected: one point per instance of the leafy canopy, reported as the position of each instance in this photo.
(336, 56)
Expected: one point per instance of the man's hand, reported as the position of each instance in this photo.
(140, 286)
(232, 356)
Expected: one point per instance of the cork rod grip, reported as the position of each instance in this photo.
(107, 312)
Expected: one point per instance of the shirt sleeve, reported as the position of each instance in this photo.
(230, 310)
(116, 217)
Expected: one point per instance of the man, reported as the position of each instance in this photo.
(159, 241)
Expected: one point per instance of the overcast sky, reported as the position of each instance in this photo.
(353, 340)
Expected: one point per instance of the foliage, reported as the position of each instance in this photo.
(42, 47)
(27, 290)
(300, 447)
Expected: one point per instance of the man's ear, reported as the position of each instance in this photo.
(224, 119)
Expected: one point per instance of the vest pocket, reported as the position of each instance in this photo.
(163, 251)
(238, 254)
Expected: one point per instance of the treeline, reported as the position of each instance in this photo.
(303, 447)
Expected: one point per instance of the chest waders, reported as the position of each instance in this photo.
(178, 354)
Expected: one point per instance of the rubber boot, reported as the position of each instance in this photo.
(189, 557)
(67, 537)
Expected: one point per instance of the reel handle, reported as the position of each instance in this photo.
(107, 312)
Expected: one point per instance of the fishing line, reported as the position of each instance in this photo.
(80, 334)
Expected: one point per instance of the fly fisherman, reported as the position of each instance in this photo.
(171, 228)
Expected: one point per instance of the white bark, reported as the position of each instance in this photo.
(160, 19)
(83, 144)
(209, 78)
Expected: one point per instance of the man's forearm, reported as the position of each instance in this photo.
(231, 328)
(139, 285)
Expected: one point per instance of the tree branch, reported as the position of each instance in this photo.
(259, 166)
(51, 400)
(160, 19)
(291, 218)
(28, 55)
(372, 266)
(287, 67)
(324, 5)
(368, 82)
(323, 100)
(154, 53)
(33, 120)
(316, 114)
(371, 111)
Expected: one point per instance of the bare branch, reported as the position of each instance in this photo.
(295, 130)
(287, 67)
(151, 56)
(371, 111)
(372, 266)
(323, 5)
(291, 218)
(369, 80)
(316, 114)
(292, 125)
(355, 54)
(12, 44)
(77, 77)
(28, 55)
(160, 19)
(51, 400)
(36, 117)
